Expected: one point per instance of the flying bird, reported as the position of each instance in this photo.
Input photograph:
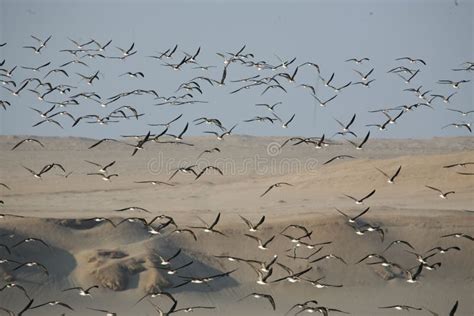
(443, 195)
(276, 185)
(361, 201)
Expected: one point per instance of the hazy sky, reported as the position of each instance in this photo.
(323, 32)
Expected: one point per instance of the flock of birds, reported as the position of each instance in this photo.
(46, 82)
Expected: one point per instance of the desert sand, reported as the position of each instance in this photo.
(124, 262)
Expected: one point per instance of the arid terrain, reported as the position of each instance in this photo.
(124, 260)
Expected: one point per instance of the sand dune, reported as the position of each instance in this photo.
(124, 260)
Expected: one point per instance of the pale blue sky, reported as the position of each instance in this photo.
(324, 32)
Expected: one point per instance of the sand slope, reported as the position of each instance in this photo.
(124, 261)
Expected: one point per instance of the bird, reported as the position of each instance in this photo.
(463, 113)
(319, 285)
(53, 303)
(36, 68)
(364, 77)
(17, 91)
(221, 136)
(397, 242)
(459, 235)
(133, 208)
(345, 127)
(412, 60)
(100, 220)
(412, 75)
(276, 185)
(209, 151)
(364, 83)
(443, 195)
(103, 168)
(106, 312)
(293, 277)
(185, 230)
(167, 124)
(446, 99)
(285, 125)
(89, 79)
(329, 256)
(176, 269)
(261, 244)
(209, 228)
(180, 136)
(358, 60)
(14, 285)
(32, 264)
(401, 307)
(208, 168)
(353, 219)
(454, 84)
(27, 140)
(442, 250)
(459, 125)
(253, 228)
(203, 280)
(361, 201)
(191, 309)
(271, 108)
(359, 146)
(102, 141)
(268, 297)
(412, 278)
(104, 176)
(38, 174)
(189, 169)
(82, 291)
(324, 103)
(390, 179)
(337, 158)
(133, 74)
(155, 182)
(29, 240)
(166, 261)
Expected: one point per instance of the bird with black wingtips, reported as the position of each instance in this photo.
(13, 285)
(354, 218)
(30, 240)
(359, 146)
(262, 245)
(443, 195)
(172, 271)
(27, 140)
(398, 242)
(103, 168)
(82, 291)
(293, 277)
(390, 179)
(268, 297)
(361, 201)
(323, 103)
(185, 170)
(209, 151)
(276, 185)
(253, 228)
(413, 277)
(30, 264)
(105, 311)
(209, 228)
(459, 235)
(345, 127)
(205, 169)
